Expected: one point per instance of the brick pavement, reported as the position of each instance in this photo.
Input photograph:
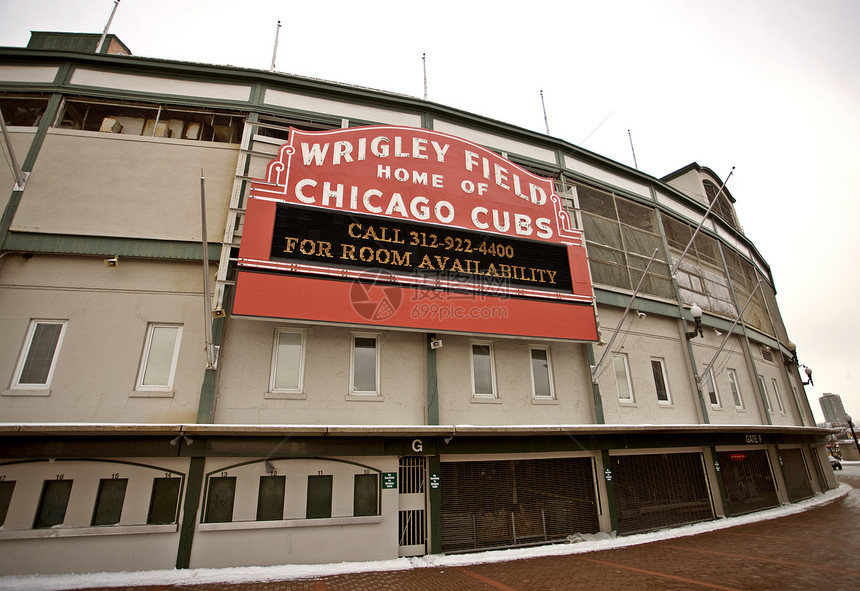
(817, 549)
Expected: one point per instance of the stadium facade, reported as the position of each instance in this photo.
(420, 330)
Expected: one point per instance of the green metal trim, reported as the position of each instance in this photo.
(35, 146)
(620, 300)
(189, 512)
(720, 482)
(108, 246)
(434, 466)
(206, 404)
(432, 385)
(606, 463)
(595, 389)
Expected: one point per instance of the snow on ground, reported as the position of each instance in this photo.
(590, 543)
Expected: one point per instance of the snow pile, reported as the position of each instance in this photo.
(580, 544)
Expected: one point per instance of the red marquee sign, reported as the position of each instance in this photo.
(410, 228)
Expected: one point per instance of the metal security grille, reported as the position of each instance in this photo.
(747, 480)
(23, 109)
(412, 522)
(516, 502)
(412, 528)
(621, 237)
(796, 474)
(411, 475)
(153, 120)
(657, 491)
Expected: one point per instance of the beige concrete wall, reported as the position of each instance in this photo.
(774, 371)
(108, 311)
(75, 546)
(243, 390)
(101, 184)
(298, 540)
(731, 357)
(21, 138)
(691, 185)
(514, 403)
(644, 339)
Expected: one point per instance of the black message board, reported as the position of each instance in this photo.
(335, 239)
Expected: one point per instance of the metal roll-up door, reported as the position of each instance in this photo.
(747, 481)
(798, 481)
(660, 490)
(498, 504)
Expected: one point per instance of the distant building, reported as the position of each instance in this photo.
(405, 356)
(834, 411)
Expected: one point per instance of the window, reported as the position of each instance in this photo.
(764, 393)
(365, 365)
(270, 498)
(711, 385)
(109, 501)
(152, 120)
(736, 391)
(661, 382)
(364, 495)
(6, 489)
(39, 356)
(483, 372)
(622, 378)
(219, 501)
(319, 496)
(776, 396)
(53, 503)
(159, 357)
(164, 501)
(287, 362)
(541, 373)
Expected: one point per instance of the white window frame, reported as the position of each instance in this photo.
(777, 395)
(623, 358)
(144, 359)
(763, 389)
(735, 387)
(495, 393)
(25, 353)
(376, 392)
(274, 391)
(662, 363)
(712, 379)
(549, 375)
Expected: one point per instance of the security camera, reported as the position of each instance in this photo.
(435, 343)
(112, 262)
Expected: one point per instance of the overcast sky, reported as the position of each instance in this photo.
(771, 87)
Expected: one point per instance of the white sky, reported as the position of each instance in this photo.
(771, 87)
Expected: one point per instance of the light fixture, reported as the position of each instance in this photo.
(719, 334)
(112, 262)
(808, 371)
(696, 311)
(792, 348)
(270, 468)
(175, 441)
(641, 314)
